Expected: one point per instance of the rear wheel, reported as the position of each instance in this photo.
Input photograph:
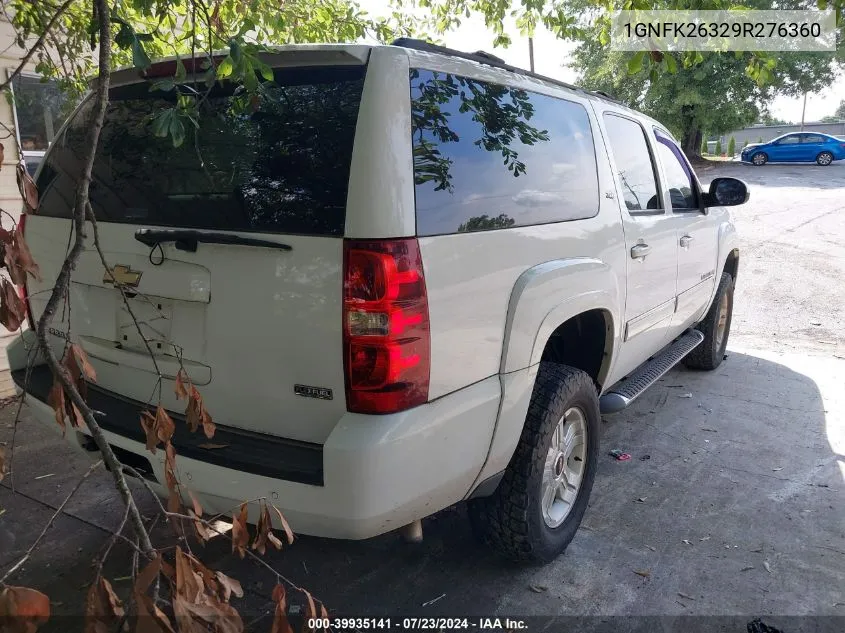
(824, 159)
(716, 326)
(759, 159)
(538, 506)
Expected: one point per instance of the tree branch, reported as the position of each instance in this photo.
(62, 284)
(58, 511)
(39, 43)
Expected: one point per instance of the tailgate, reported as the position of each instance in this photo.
(250, 306)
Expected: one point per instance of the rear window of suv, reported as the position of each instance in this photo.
(489, 156)
(282, 166)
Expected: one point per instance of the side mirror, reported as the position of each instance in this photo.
(726, 192)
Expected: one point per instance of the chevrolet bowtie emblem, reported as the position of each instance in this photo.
(123, 275)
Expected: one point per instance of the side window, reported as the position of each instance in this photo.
(789, 140)
(679, 178)
(488, 156)
(634, 167)
(812, 138)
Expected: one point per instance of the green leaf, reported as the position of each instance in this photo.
(140, 59)
(125, 36)
(635, 64)
(164, 85)
(821, 4)
(177, 131)
(265, 70)
(671, 64)
(225, 68)
(235, 51)
(181, 71)
(161, 122)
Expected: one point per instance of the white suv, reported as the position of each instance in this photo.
(405, 277)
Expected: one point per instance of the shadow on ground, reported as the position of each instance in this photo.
(732, 504)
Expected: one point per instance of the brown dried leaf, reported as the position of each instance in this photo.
(197, 415)
(181, 390)
(2, 155)
(240, 533)
(170, 468)
(222, 617)
(151, 619)
(229, 586)
(147, 575)
(189, 584)
(26, 185)
(196, 504)
(164, 425)
(21, 258)
(174, 505)
(323, 613)
(262, 530)
(280, 617)
(103, 609)
(204, 534)
(56, 400)
(310, 609)
(81, 358)
(285, 526)
(12, 308)
(22, 610)
(148, 423)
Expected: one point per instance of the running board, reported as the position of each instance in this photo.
(629, 388)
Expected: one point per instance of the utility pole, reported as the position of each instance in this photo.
(531, 53)
(803, 111)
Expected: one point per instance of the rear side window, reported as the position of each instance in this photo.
(634, 166)
(488, 156)
(679, 178)
(282, 166)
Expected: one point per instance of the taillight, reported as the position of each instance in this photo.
(22, 290)
(386, 340)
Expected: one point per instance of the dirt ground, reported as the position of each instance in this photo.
(731, 506)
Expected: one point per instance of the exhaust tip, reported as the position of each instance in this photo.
(412, 533)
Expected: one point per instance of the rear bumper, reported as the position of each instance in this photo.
(378, 472)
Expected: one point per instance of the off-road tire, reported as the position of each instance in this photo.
(762, 161)
(825, 159)
(710, 352)
(511, 520)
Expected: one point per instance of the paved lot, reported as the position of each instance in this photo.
(738, 506)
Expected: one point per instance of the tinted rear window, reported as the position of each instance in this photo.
(281, 167)
(488, 156)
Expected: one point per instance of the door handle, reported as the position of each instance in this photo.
(639, 251)
(685, 241)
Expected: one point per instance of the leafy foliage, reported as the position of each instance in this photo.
(719, 146)
(731, 146)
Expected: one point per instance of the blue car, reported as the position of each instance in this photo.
(802, 147)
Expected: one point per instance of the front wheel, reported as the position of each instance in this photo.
(759, 159)
(824, 159)
(538, 506)
(716, 326)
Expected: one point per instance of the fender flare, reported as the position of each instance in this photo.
(535, 310)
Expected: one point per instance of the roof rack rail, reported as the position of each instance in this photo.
(483, 57)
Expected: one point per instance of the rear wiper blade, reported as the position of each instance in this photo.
(187, 239)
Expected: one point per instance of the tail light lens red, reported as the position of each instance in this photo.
(22, 290)
(386, 339)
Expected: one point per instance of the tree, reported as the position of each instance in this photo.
(72, 41)
(687, 90)
(719, 146)
(731, 146)
(745, 143)
(840, 111)
(704, 148)
(760, 139)
(486, 223)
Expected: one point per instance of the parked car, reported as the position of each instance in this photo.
(802, 147)
(408, 277)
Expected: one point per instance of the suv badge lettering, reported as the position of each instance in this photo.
(58, 333)
(123, 275)
(708, 275)
(306, 391)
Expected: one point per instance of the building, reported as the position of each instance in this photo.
(28, 121)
